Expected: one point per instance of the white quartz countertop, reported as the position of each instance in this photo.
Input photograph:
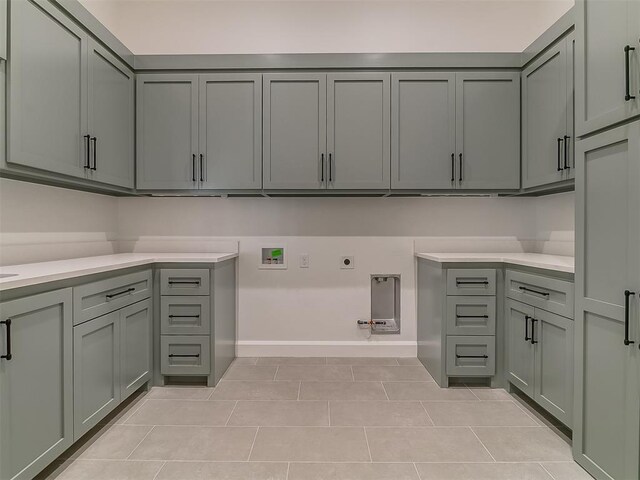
(557, 263)
(15, 276)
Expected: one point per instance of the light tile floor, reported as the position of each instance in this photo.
(322, 419)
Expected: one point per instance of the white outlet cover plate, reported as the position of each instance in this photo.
(304, 260)
(347, 262)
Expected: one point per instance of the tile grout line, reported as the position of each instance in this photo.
(299, 388)
(353, 377)
(366, 437)
(329, 411)
(538, 423)
(472, 392)
(253, 444)
(547, 471)
(427, 412)
(130, 413)
(417, 472)
(385, 391)
(159, 470)
(275, 375)
(231, 414)
(140, 442)
(483, 445)
(288, 468)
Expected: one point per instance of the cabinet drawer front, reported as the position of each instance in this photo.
(471, 315)
(473, 281)
(185, 355)
(471, 356)
(550, 294)
(183, 281)
(98, 298)
(186, 315)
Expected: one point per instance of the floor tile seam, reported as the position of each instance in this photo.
(385, 390)
(427, 413)
(482, 443)
(159, 470)
(404, 462)
(231, 414)
(253, 444)
(366, 438)
(140, 442)
(129, 414)
(546, 471)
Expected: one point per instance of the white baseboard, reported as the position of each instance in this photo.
(326, 349)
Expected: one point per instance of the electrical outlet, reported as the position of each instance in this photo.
(304, 260)
(347, 263)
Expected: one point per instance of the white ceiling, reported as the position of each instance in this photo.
(313, 26)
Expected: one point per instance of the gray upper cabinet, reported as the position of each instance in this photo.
(230, 131)
(167, 132)
(36, 383)
(358, 130)
(547, 116)
(423, 130)
(604, 29)
(47, 116)
(111, 118)
(488, 130)
(607, 427)
(294, 125)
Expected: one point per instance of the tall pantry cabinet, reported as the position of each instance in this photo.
(606, 437)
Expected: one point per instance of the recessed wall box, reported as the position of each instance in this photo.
(385, 304)
(273, 257)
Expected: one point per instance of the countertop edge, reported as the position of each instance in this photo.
(500, 258)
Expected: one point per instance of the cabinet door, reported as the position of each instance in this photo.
(36, 384)
(231, 131)
(607, 419)
(295, 127)
(3, 29)
(358, 130)
(554, 365)
(520, 350)
(111, 114)
(47, 89)
(135, 347)
(544, 117)
(603, 30)
(96, 371)
(167, 132)
(423, 130)
(488, 130)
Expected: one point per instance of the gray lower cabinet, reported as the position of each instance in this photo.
(487, 130)
(295, 126)
(167, 132)
(230, 137)
(112, 359)
(423, 130)
(110, 141)
(607, 427)
(96, 371)
(46, 129)
(3, 29)
(604, 31)
(547, 116)
(36, 383)
(358, 131)
(519, 349)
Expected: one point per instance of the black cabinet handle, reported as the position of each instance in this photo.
(193, 168)
(94, 142)
(330, 169)
(201, 167)
(525, 289)
(627, 294)
(322, 167)
(533, 335)
(453, 167)
(184, 316)
(472, 282)
(566, 152)
(472, 316)
(184, 282)
(560, 140)
(472, 356)
(175, 355)
(460, 177)
(87, 157)
(526, 328)
(113, 295)
(7, 323)
(627, 73)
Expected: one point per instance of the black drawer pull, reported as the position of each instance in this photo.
(472, 316)
(525, 289)
(175, 355)
(184, 282)
(627, 94)
(184, 316)
(560, 140)
(472, 282)
(87, 165)
(453, 167)
(128, 290)
(567, 166)
(627, 294)
(472, 356)
(526, 328)
(7, 323)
